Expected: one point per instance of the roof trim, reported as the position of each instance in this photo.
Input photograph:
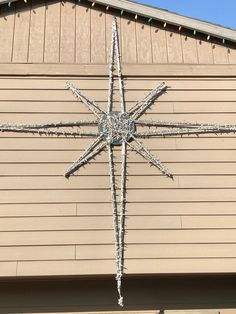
(171, 18)
(166, 17)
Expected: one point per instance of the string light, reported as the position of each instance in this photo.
(136, 17)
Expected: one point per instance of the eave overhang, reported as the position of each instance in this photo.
(152, 13)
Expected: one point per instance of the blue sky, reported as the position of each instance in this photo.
(215, 11)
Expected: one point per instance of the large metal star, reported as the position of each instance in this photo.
(118, 128)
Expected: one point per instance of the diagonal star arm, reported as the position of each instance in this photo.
(91, 105)
(95, 148)
(138, 147)
(140, 108)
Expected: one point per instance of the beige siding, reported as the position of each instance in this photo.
(53, 226)
(68, 32)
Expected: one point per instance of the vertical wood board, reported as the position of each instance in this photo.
(21, 32)
(37, 28)
(67, 33)
(52, 32)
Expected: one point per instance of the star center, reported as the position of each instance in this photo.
(116, 127)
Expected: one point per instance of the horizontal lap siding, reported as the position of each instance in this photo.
(53, 226)
(74, 32)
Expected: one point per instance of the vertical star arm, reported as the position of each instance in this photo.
(122, 203)
(111, 71)
(95, 148)
(138, 147)
(119, 272)
(118, 60)
(91, 105)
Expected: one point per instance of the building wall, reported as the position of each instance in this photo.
(53, 226)
(65, 32)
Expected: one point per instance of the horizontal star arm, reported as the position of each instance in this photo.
(20, 129)
(180, 125)
(138, 147)
(140, 108)
(94, 149)
(91, 105)
(49, 125)
(182, 132)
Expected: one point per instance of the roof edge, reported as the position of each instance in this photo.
(171, 18)
(167, 17)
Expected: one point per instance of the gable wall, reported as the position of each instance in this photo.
(65, 32)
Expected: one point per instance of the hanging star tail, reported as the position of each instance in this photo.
(138, 147)
(95, 148)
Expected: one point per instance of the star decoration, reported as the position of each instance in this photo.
(118, 129)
